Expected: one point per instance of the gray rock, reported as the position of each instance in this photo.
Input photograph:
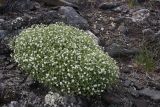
(108, 5)
(18, 5)
(35, 6)
(57, 100)
(11, 66)
(123, 29)
(138, 85)
(111, 99)
(4, 49)
(154, 84)
(151, 93)
(148, 32)
(29, 81)
(28, 20)
(95, 38)
(71, 17)
(122, 8)
(140, 103)
(98, 104)
(59, 3)
(73, 1)
(14, 24)
(140, 15)
(157, 34)
(13, 104)
(116, 50)
(127, 83)
(2, 20)
(4, 106)
(3, 34)
(133, 92)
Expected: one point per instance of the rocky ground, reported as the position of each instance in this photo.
(118, 28)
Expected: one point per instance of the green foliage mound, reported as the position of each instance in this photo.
(65, 58)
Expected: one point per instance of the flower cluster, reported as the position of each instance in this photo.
(66, 58)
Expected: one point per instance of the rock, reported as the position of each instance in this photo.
(14, 24)
(123, 29)
(151, 93)
(111, 99)
(30, 99)
(97, 104)
(28, 20)
(140, 103)
(71, 17)
(11, 66)
(115, 50)
(127, 83)
(55, 99)
(133, 92)
(154, 84)
(108, 5)
(59, 3)
(157, 34)
(2, 20)
(35, 6)
(142, 1)
(95, 38)
(148, 34)
(121, 9)
(3, 34)
(127, 70)
(17, 6)
(13, 104)
(140, 15)
(29, 81)
(4, 49)
(148, 31)
(139, 85)
(74, 1)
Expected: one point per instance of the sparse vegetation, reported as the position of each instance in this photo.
(145, 59)
(132, 3)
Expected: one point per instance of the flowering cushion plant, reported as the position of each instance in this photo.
(65, 58)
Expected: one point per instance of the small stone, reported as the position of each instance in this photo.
(2, 20)
(108, 5)
(127, 83)
(35, 6)
(115, 50)
(53, 99)
(11, 66)
(140, 15)
(133, 92)
(123, 29)
(148, 32)
(111, 99)
(13, 104)
(157, 34)
(95, 38)
(29, 81)
(3, 34)
(121, 9)
(139, 85)
(140, 103)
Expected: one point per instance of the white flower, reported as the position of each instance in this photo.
(64, 57)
